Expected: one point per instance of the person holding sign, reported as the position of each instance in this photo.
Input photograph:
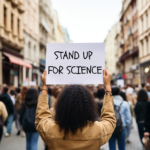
(74, 125)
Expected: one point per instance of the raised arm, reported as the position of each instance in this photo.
(43, 115)
(107, 119)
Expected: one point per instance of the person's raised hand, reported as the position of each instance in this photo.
(43, 77)
(107, 79)
(146, 134)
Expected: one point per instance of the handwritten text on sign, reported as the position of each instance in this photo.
(75, 63)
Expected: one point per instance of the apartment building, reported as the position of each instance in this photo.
(144, 40)
(129, 42)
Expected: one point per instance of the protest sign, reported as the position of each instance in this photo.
(75, 63)
(120, 82)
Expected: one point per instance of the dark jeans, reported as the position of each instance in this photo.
(31, 140)
(121, 141)
(141, 131)
(1, 133)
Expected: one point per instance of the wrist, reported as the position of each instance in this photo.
(108, 88)
(45, 87)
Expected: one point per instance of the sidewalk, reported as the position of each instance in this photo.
(18, 143)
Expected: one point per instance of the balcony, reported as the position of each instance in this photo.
(121, 43)
(21, 7)
(130, 32)
(14, 2)
(127, 19)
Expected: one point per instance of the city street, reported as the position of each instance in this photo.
(16, 143)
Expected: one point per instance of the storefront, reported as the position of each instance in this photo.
(145, 72)
(12, 68)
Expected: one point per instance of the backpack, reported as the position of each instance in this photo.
(118, 130)
(28, 121)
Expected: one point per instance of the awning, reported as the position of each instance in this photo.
(17, 61)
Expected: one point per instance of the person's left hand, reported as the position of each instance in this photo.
(43, 77)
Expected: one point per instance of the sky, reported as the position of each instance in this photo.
(87, 21)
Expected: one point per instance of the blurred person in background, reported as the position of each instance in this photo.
(75, 118)
(99, 100)
(123, 95)
(12, 96)
(5, 98)
(148, 90)
(18, 90)
(143, 85)
(3, 117)
(20, 98)
(125, 114)
(140, 111)
(27, 119)
(147, 127)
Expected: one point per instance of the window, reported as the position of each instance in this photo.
(34, 53)
(5, 15)
(29, 46)
(142, 25)
(147, 46)
(18, 25)
(12, 22)
(147, 20)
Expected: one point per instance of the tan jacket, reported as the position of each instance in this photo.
(91, 137)
(18, 102)
(3, 111)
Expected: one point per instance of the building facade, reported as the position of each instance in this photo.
(129, 42)
(144, 40)
(110, 51)
(31, 40)
(11, 42)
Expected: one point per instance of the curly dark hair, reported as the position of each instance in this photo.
(75, 108)
(142, 96)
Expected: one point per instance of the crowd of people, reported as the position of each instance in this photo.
(19, 105)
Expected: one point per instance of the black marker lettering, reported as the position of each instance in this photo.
(90, 54)
(75, 55)
(71, 54)
(92, 70)
(82, 69)
(49, 69)
(56, 54)
(60, 69)
(72, 70)
(65, 55)
(86, 55)
(68, 69)
(98, 69)
(88, 70)
(54, 70)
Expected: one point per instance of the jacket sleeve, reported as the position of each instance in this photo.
(43, 117)
(107, 120)
(11, 106)
(4, 112)
(127, 115)
(147, 118)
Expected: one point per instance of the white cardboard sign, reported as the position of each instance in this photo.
(75, 63)
(120, 82)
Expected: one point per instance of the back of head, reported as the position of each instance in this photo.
(74, 108)
(142, 96)
(100, 93)
(123, 95)
(49, 91)
(12, 92)
(31, 97)
(143, 85)
(24, 91)
(18, 90)
(115, 90)
(6, 89)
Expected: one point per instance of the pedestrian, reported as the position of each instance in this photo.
(147, 128)
(99, 100)
(5, 98)
(20, 98)
(140, 111)
(148, 90)
(3, 117)
(12, 96)
(124, 110)
(74, 125)
(123, 95)
(27, 119)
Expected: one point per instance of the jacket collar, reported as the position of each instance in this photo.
(118, 97)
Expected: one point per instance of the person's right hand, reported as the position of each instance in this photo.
(107, 79)
(146, 134)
